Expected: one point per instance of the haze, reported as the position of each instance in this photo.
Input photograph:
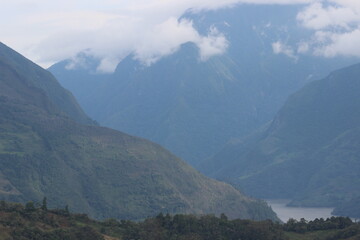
(50, 31)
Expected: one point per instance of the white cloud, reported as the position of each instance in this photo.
(317, 16)
(282, 48)
(79, 61)
(49, 31)
(336, 25)
(344, 44)
(214, 44)
(165, 39)
(303, 47)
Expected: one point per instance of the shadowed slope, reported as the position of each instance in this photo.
(97, 170)
(309, 153)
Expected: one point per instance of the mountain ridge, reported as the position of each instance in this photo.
(97, 170)
(62, 98)
(309, 152)
(195, 107)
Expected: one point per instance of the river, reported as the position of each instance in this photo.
(284, 212)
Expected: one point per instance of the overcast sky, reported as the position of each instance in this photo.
(48, 31)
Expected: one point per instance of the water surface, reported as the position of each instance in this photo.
(284, 212)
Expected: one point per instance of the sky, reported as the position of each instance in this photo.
(50, 31)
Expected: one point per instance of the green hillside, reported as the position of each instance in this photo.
(33, 75)
(96, 170)
(309, 153)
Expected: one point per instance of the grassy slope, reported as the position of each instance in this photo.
(44, 80)
(97, 170)
(309, 153)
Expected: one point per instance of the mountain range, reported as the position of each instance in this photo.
(194, 106)
(50, 148)
(309, 153)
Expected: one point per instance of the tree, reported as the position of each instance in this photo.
(30, 206)
(67, 212)
(44, 204)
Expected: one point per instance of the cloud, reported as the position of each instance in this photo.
(303, 47)
(282, 48)
(336, 26)
(317, 16)
(340, 44)
(165, 39)
(214, 44)
(50, 31)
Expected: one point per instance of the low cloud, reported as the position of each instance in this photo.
(336, 25)
(166, 38)
(50, 31)
(319, 16)
(282, 48)
(340, 44)
(213, 44)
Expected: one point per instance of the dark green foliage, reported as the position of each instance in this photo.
(352, 232)
(303, 226)
(96, 170)
(190, 227)
(58, 234)
(15, 224)
(44, 204)
(30, 207)
(202, 228)
(67, 210)
(32, 222)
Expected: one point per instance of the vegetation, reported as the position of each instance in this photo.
(304, 226)
(309, 153)
(95, 170)
(19, 223)
(33, 75)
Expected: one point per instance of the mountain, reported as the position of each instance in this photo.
(168, 101)
(44, 152)
(194, 107)
(309, 153)
(349, 208)
(33, 75)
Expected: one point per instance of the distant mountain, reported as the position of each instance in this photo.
(176, 99)
(309, 153)
(192, 107)
(96, 170)
(349, 208)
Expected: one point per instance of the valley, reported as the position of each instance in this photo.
(180, 120)
(46, 152)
